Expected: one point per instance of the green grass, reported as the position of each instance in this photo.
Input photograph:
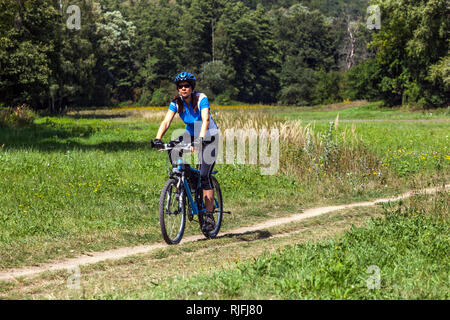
(71, 185)
(134, 276)
(409, 148)
(371, 111)
(401, 256)
(406, 148)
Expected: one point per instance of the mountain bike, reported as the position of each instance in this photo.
(182, 196)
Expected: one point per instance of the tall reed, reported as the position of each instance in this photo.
(336, 159)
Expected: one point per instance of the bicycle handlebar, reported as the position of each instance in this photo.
(168, 147)
(172, 145)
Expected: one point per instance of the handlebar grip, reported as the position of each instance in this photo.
(157, 145)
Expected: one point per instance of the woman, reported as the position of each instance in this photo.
(193, 108)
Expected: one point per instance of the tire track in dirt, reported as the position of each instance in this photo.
(116, 254)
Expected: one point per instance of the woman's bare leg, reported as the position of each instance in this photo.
(208, 195)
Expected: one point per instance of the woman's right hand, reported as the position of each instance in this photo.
(157, 144)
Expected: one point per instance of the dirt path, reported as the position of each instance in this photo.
(120, 253)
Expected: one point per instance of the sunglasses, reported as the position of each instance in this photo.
(181, 86)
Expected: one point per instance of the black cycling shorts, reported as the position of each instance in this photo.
(207, 158)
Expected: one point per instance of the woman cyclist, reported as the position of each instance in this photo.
(201, 130)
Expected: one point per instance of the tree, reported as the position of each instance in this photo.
(213, 78)
(413, 38)
(116, 45)
(297, 82)
(351, 40)
(440, 73)
(306, 35)
(28, 31)
(329, 87)
(158, 38)
(73, 82)
(197, 26)
(363, 80)
(245, 43)
(306, 46)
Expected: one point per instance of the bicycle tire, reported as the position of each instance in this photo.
(172, 222)
(218, 200)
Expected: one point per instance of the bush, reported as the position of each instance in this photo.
(213, 78)
(160, 98)
(298, 86)
(145, 98)
(329, 88)
(223, 99)
(17, 117)
(314, 87)
(362, 82)
(163, 95)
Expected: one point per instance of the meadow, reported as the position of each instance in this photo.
(400, 255)
(89, 181)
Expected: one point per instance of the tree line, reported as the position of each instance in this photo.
(80, 53)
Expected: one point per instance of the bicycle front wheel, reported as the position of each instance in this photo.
(172, 212)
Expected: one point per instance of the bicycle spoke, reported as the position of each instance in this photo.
(172, 215)
(169, 199)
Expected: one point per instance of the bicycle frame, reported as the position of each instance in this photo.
(185, 182)
(192, 202)
(181, 173)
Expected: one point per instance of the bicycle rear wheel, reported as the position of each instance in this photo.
(218, 211)
(172, 212)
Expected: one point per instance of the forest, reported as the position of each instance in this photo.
(59, 54)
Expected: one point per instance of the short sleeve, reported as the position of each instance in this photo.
(173, 107)
(204, 103)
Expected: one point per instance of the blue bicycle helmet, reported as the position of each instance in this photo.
(186, 76)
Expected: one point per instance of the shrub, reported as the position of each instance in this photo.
(223, 99)
(214, 78)
(362, 81)
(163, 95)
(145, 98)
(19, 116)
(298, 86)
(329, 88)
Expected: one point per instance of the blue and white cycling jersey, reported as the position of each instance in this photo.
(193, 119)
